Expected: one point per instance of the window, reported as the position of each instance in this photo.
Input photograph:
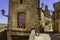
(21, 20)
(21, 1)
(47, 22)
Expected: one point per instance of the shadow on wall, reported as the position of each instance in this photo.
(3, 35)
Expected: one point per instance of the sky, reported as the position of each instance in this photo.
(4, 5)
(49, 3)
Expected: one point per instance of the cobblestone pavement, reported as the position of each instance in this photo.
(55, 36)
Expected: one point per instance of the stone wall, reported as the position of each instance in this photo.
(3, 34)
(30, 7)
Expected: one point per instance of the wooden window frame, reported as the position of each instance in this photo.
(18, 19)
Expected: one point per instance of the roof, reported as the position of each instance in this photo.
(46, 13)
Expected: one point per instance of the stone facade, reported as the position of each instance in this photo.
(56, 20)
(56, 6)
(30, 8)
(46, 21)
(56, 17)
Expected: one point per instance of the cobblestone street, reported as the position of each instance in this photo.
(55, 36)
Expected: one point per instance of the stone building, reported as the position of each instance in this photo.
(23, 15)
(46, 20)
(56, 16)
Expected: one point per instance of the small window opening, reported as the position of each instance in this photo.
(21, 1)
